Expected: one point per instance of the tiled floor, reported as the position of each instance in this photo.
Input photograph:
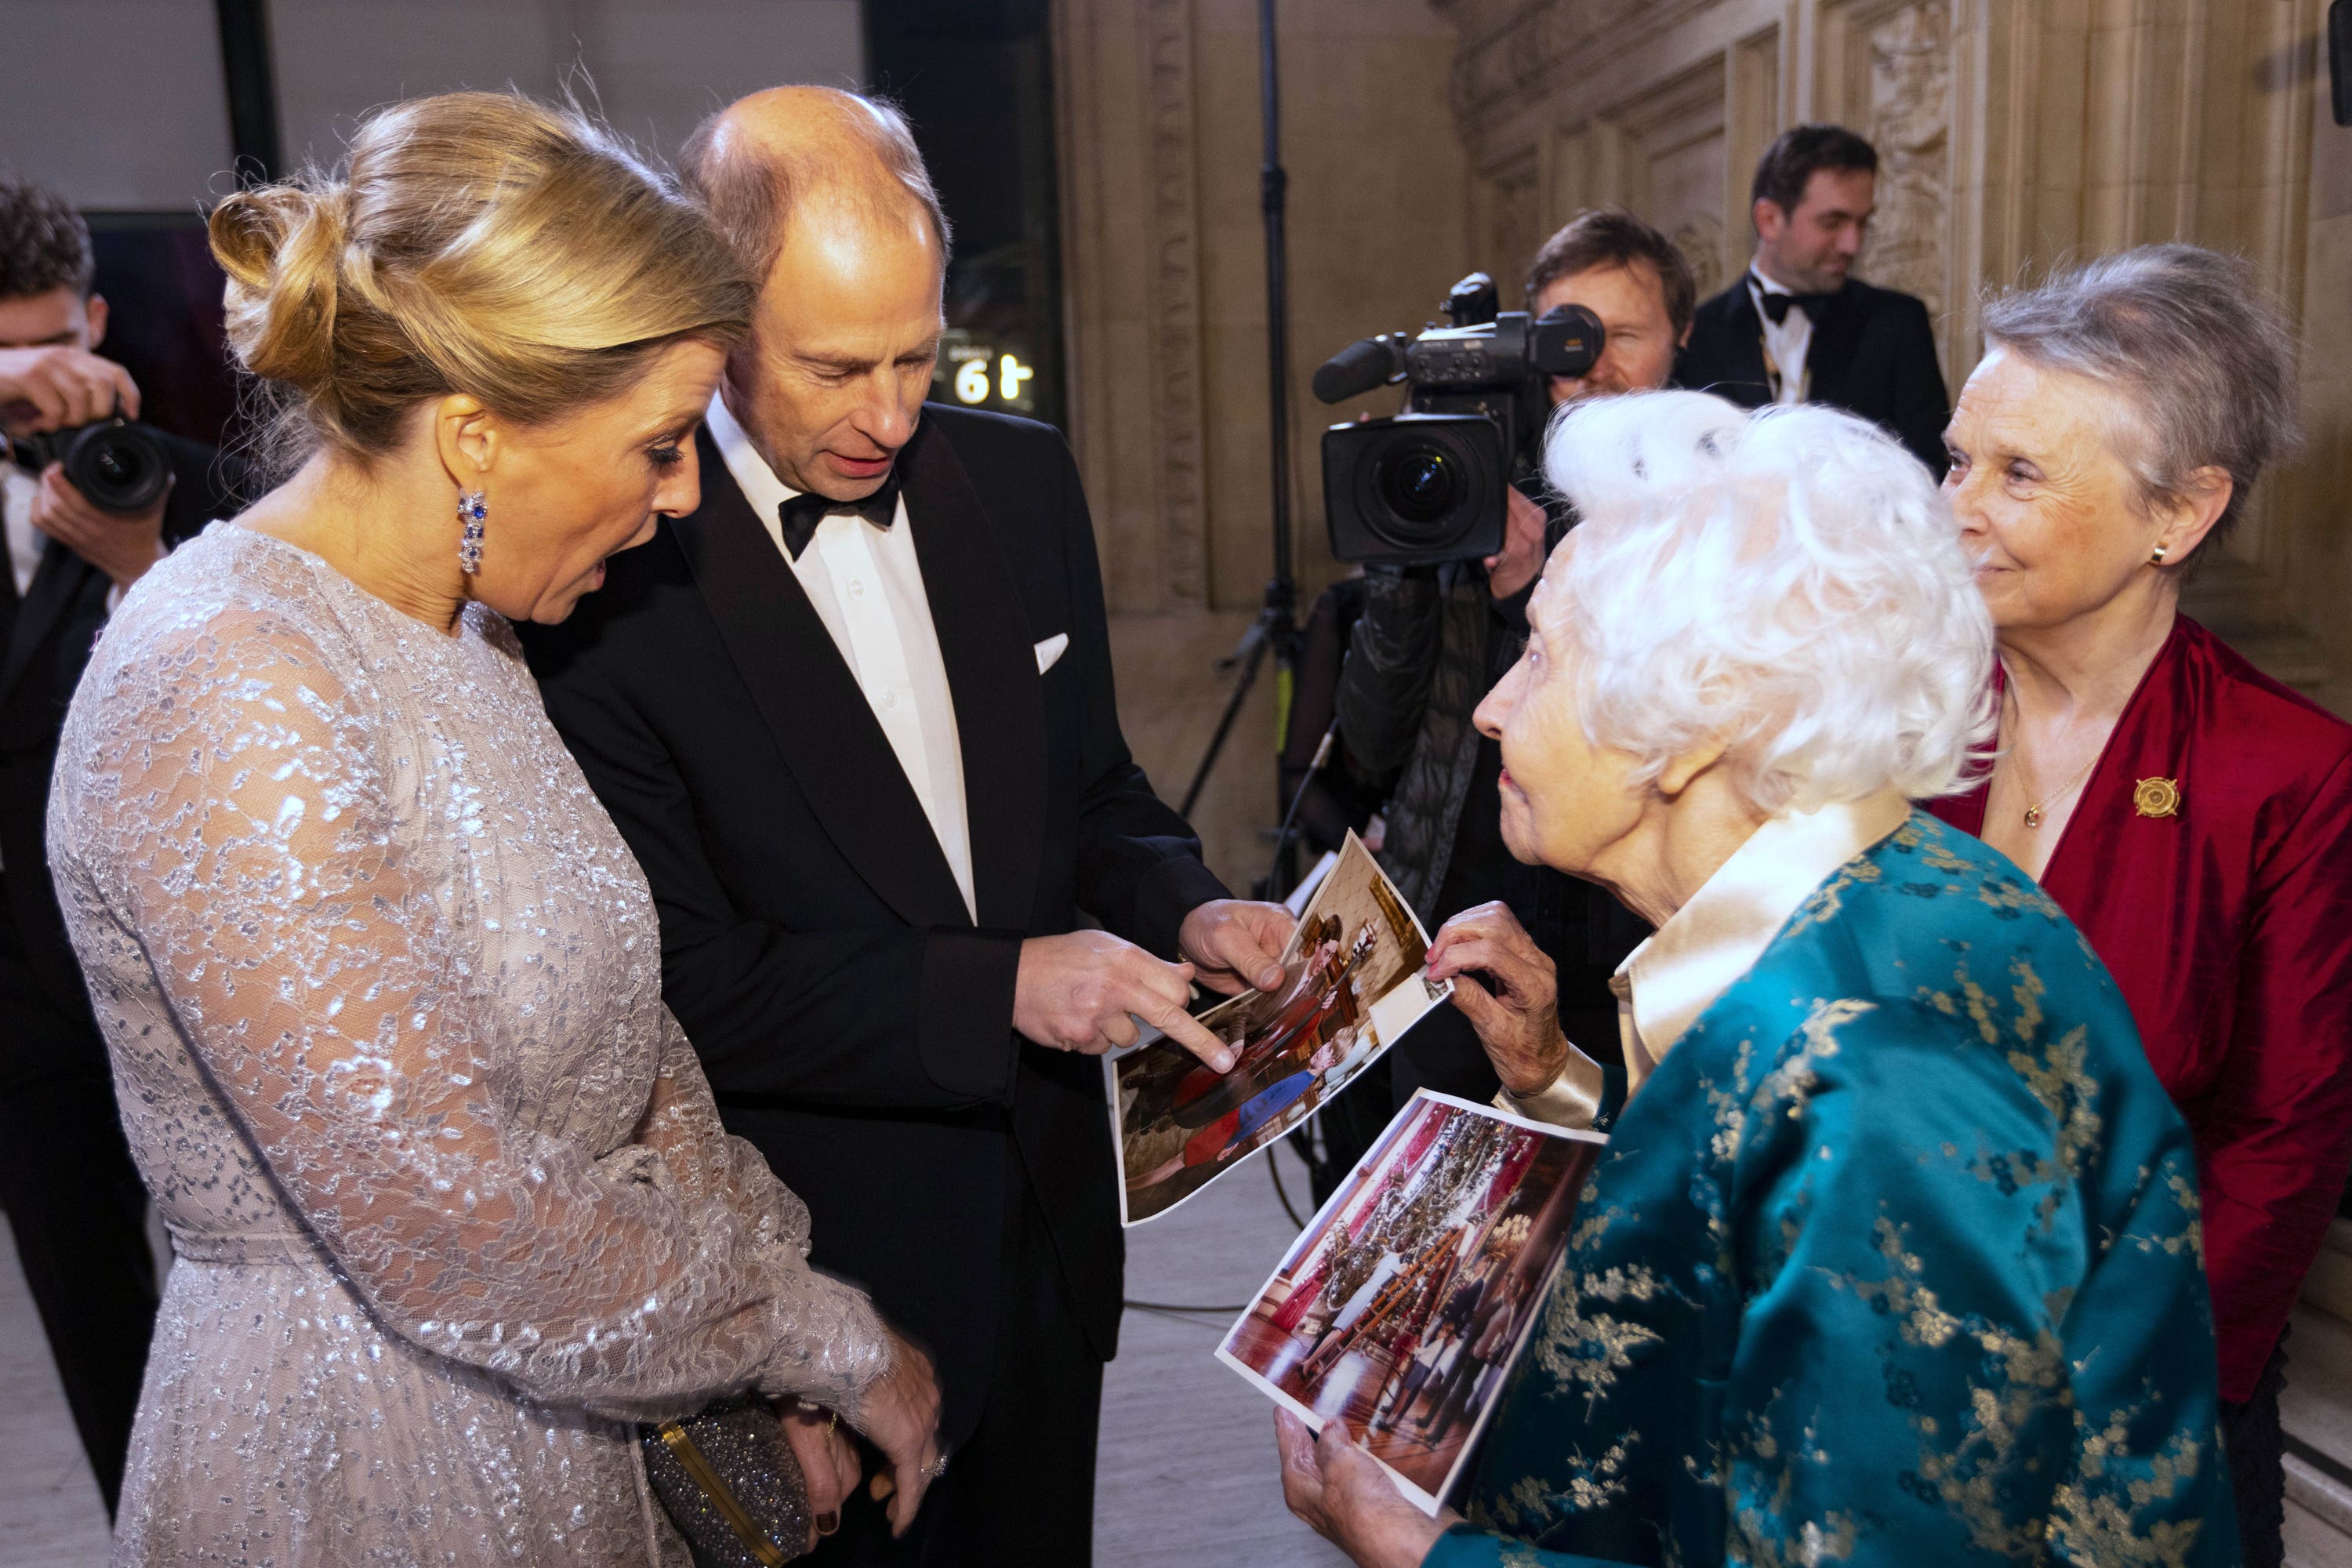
(1188, 1471)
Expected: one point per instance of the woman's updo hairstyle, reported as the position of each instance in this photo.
(473, 242)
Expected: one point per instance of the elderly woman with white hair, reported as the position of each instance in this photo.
(2191, 814)
(1893, 1256)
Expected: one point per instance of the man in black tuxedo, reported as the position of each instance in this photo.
(854, 717)
(73, 1196)
(1798, 327)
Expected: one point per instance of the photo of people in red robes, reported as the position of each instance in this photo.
(1397, 1311)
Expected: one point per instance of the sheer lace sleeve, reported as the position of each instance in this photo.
(237, 819)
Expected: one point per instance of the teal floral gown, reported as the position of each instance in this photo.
(1893, 1257)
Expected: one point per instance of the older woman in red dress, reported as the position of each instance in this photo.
(2190, 814)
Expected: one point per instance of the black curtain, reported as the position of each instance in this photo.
(975, 79)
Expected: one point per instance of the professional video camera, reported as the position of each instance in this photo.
(117, 464)
(1426, 485)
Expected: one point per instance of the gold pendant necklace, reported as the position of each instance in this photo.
(2033, 809)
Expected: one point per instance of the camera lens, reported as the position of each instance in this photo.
(1417, 488)
(118, 466)
(1419, 482)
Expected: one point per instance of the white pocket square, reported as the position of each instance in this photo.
(1051, 648)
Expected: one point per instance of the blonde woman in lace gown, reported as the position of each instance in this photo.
(451, 1205)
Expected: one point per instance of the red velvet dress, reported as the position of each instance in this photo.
(2228, 926)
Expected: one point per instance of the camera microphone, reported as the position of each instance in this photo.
(1360, 367)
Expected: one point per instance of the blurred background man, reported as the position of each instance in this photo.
(1433, 640)
(1798, 326)
(73, 1196)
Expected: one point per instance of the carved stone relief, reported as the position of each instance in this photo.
(1675, 172)
(1909, 122)
(1700, 240)
(1513, 231)
(1512, 51)
(1175, 295)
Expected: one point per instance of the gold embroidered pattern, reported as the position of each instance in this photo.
(1589, 1352)
(1789, 1086)
(2092, 1524)
(1970, 1467)
(1532, 1506)
(1824, 903)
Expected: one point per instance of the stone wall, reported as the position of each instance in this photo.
(1164, 264)
(2015, 135)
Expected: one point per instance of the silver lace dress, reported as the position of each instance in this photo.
(382, 986)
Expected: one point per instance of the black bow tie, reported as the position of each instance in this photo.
(1777, 305)
(799, 514)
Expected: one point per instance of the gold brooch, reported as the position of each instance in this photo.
(2156, 798)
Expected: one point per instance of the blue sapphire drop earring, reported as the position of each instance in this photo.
(471, 510)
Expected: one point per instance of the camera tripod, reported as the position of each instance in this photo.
(1275, 629)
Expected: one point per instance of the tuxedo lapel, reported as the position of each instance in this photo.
(1731, 364)
(986, 643)
(1836, 338)
(1746, 362)
(827, 733)
(56, 583)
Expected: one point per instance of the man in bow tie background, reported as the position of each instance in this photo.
(1798, 327)
(855, 717)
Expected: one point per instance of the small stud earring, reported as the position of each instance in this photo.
(2155, 557)
(472, 508)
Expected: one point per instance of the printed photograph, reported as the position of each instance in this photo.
(1352, 984)
(1399, 1309)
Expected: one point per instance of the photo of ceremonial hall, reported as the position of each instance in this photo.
(1168, 783)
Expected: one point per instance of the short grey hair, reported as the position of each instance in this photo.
(749, 190)
(2193, 345)
(1787, 583)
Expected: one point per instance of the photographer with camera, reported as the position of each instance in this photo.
(92, 501)
(1435, 638)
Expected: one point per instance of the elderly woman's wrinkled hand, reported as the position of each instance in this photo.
(1343, 1493)
(1518, 1019)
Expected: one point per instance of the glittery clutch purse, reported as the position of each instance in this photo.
(731, 1484)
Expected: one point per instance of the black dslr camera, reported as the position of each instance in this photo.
(1426, 485)
(118, 464)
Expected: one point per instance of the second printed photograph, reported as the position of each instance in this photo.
(1399, 1309)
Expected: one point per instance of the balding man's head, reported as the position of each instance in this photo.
(761, 158)
(825, 197)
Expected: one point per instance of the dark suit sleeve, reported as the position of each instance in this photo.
(1391, 657)
(1921, 407)
(1139, 864)
(898, 1019)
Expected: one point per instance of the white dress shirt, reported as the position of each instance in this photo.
(26, 542)
(1707, 945)
(868, 588)
(17, 488)
(1786, 343)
